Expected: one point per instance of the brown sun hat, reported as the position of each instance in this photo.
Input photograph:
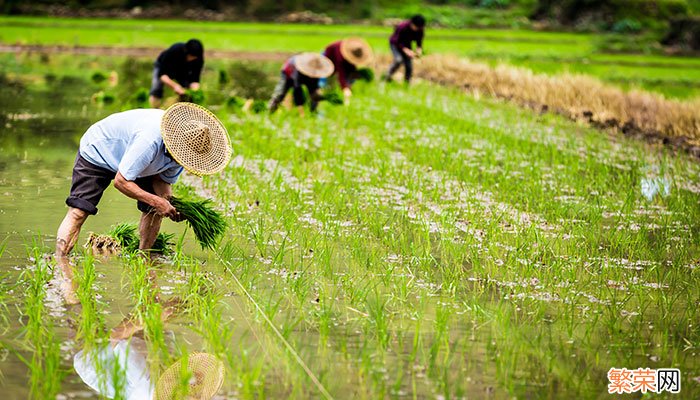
(356, 51)
(205, 372)
(195, 138)
(314, 65)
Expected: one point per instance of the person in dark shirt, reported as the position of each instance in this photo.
(179, 67)
(303, 69)
(347, 56)
(401, 42)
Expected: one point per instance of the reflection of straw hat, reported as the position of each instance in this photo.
(195, 138)
(205, 374)
(356, 51)
(314, 65)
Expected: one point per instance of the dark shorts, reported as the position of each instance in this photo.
(89, 183)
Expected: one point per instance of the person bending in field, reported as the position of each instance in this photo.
(401, 43)
(143, 151)
(300, 70)
(179, 67)
(347, 56)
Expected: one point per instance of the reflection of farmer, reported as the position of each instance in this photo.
(347, 56)
(120, 368)
(178, 67)
(401, 42)
(144, 152)
(300, 70)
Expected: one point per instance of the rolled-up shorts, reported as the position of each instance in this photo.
(89, 182)
(156, 83)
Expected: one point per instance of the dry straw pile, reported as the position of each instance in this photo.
(575, 96)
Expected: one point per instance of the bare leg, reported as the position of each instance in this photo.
(149, 227)
(155, 102)
(66, 237)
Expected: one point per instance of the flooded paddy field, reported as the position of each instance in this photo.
(473, 250)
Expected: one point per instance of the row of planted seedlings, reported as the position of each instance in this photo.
(638, 253)
(570, 321)
(319, 264)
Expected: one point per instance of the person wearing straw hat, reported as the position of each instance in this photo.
(300, 70)
(348, 55)
(143, 151)
(179, 67)
(401, 43)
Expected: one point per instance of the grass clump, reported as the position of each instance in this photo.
(207, 223)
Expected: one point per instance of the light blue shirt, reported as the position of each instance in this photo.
(130, 142)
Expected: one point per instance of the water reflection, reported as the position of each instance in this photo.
(122, 368)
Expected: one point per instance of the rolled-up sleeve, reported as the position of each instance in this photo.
(137, 157)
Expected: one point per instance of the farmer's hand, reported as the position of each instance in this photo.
(408, 52)
(419, 52)
(347, 93)
(164, 208)
(179, 90)
(194, 85)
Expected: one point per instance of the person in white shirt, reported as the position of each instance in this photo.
(143, 151)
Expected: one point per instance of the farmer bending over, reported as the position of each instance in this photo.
(401, 42)
(303, 69)
(347, 56)
(144, 152)
(178, 67)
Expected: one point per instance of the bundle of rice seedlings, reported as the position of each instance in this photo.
(235, 102)
(207, 224)
(365, 74)
(164, 243)
(102, 244)
(333, 98)
(127, 237)
(259, 106)
(193, 96)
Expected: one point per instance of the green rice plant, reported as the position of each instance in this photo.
(141, 96)
(193, 96)
(365, 74)
(207, 223)
(127, 236)
(235, 103)
(333, 97)
(259, 106)
(98, 77)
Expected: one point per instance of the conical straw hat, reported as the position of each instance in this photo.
(195, 138)
(206, 374)
(314, 65)
(356, 51)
